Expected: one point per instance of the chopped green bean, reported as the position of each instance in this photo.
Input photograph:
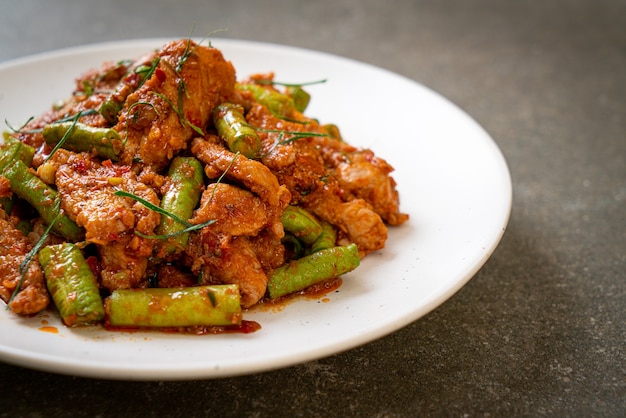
(301, 224)
(13, 150)
(279, 104)
(326, 239)
(76, 136)
(112, 106)
(181, 198)
(233, 128)
(299, 96)
(8, 155)
(110, 109)
(333, 131)
(6, 203)
(294, 246)
(43, 198)
(217, 305)
(71, 284)
(314, 268)
(10, 151)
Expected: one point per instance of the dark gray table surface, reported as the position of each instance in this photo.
(540, 330)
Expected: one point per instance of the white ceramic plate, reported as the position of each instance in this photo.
(452, 179)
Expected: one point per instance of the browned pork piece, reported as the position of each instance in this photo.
(343, 185)
(365, 176)
(224, 259)
(14, 246)
(161, 116)
(251, 173)
(87, 190)
(235, 211)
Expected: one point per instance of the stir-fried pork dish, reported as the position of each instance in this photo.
(166, 192)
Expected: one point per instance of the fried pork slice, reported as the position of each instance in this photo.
(170, 276)
(252, 174)
(355, 219)
(87, 188)
(162, 115)
(235, 211)
(244, 242)
(14, 246)
(123, 267)
(222, 259)
(269, 249)
(367, 177)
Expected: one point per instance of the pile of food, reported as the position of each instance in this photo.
(165, 192)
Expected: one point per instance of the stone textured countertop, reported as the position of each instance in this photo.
(540, 329)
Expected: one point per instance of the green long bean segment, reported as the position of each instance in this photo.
(301, 223)
(322, 265)
(326, 239)
(76, 136)
(180, 199)
(217, 305)
(110, 109)
(333, 131)
(232, 127)
(42, 197)
(13, 150)
(299, 96)
(279, 104)
(71, 284)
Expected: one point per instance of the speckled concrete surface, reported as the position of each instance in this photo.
(540, 330)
